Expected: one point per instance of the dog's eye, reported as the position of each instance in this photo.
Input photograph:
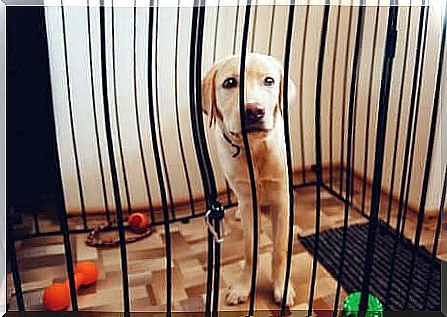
(269, 81)
(229, 83)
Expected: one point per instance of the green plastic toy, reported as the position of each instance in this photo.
(352, 303)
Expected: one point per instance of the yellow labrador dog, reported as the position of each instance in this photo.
(265, 129)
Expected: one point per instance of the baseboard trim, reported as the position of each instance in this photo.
(182, 205)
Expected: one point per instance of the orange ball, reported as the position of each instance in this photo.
(56, 297)
(138, 221)
(79, 281)
(89, 272)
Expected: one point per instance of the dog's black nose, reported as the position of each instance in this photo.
(253, 113)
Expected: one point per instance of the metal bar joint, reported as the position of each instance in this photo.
(214, 216)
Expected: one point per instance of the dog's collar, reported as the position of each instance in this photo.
(235, 146)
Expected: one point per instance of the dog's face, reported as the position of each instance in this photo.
(263, 94)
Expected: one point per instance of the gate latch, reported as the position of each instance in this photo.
(215, 214)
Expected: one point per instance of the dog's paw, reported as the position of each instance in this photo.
(237, 215)
(278, 292)
(237, 293)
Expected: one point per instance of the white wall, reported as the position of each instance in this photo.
(124, 103)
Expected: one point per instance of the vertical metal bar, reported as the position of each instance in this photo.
(204, 152)
(60, 202)
(235, 27)
(14, 265)
(212, 190)
(209, 272)
(415, 124)
(343, 115)
(177, 115)
(216, 28)
(382, 119)
(352, 173)
(368, 110)
(234, 52)
(192, 87)
(60, 192)
(95, 117)
(285, 98)
(113, 168)
(301, 94)
(272, 25)
(318, 150)
(137, 116)
(158, 165)
(354, 128)
(157, 106)
(118, 129)
(72, 128)
(421, 35)
(248, 157)
(428, 163)
(420, 40)
(399, 113)
(203, 156)
(331, 105)
(436, 241)
(352, 96)
(194, 125)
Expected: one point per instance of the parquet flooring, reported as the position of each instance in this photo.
(42, 262)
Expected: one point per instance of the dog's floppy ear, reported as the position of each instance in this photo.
(209, 94)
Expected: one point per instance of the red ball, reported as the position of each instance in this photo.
(138, 221)
(56, 297)
(88, 272)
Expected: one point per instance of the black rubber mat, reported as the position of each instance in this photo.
(330, 252)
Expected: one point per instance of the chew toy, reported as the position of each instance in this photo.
(352, 303)
(138, 222)
(87, 272)
(57, 296)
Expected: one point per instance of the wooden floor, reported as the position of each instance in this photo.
(42, 262)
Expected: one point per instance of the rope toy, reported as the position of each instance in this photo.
(57, 296)
(138, 223)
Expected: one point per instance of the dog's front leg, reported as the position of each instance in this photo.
(239, 290)
(279, 208)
